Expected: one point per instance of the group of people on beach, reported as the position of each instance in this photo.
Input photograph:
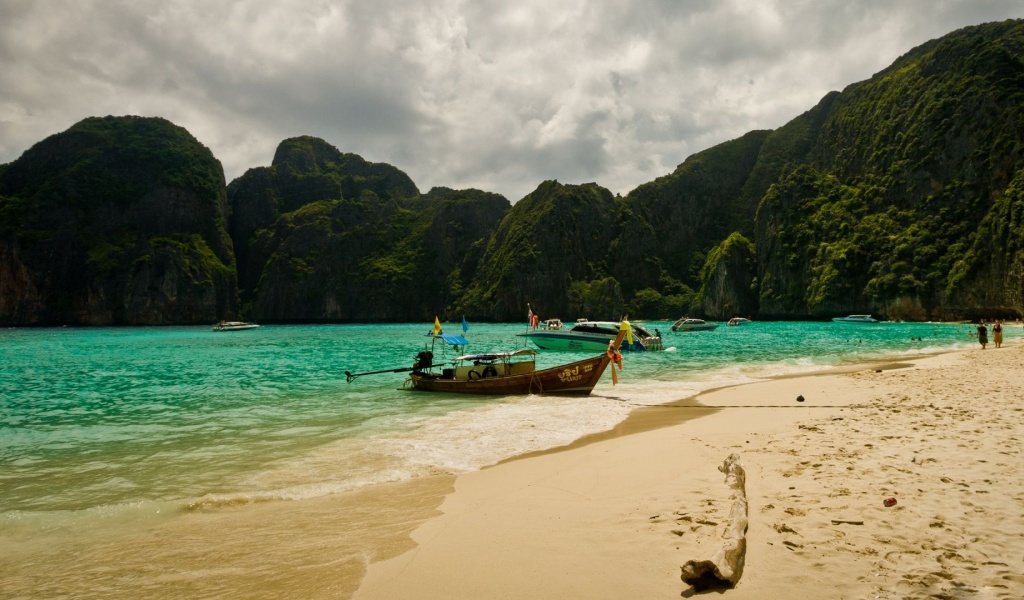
(997, 334)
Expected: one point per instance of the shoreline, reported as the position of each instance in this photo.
(656, 416)
(615, 514)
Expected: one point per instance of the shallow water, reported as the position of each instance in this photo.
(182, 462)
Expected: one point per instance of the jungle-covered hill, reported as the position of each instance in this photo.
(900, 196)
(118, 220)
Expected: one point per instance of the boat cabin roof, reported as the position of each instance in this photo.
(611, 327)
(497, 355)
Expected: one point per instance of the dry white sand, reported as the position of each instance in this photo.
(616, 519)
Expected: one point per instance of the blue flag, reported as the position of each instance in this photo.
(465, 325)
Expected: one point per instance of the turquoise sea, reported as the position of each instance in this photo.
(180, 462)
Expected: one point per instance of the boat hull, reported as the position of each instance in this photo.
(573, 379)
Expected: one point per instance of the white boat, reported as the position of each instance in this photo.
(855, 319)
(234, 326)
(592, 336)
(690, 324)
(738, 321)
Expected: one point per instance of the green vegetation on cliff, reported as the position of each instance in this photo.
(326, 236)
(896, 190)
(118, 220)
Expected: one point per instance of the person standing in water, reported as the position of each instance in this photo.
(982, 335)
(997, 334)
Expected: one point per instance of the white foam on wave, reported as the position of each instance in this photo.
(306, 491)
(468, 440)
(455, 442)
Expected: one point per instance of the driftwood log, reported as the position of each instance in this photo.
(724, 568)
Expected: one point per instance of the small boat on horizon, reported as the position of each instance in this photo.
(738, 321)
(234, 326)
(855, 319)
(691, 324)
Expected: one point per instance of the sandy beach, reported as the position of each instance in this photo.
(615, 517)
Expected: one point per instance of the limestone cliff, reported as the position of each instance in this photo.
(323, 236)
(907, 192)
(729, 280)
(116, 221)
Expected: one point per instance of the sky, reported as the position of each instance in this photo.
(490, 94)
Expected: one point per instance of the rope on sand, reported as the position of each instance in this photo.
(725, 567)
(742, 406)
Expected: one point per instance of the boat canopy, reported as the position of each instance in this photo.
(497, 355)
(453, 340)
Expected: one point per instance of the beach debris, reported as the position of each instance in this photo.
(725, 567)
(889, 502)
(783, 528)
(846, 522)
(800, 398)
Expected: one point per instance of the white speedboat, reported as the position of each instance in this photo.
(592, 336)
(234, 326)
(690, 324)
(738, 321)
(855, 319)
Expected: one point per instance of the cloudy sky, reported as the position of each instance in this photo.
(497, 95)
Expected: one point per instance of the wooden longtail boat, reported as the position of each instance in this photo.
(499, 374)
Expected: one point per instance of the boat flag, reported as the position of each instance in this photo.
(624, 326)
(465, 325)
(437, 326)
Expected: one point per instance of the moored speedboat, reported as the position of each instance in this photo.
(592, 336)
(737, 321)
(234, 326)
(690, 324)
(855, 319)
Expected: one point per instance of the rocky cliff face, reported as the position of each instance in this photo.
(327, 236)
(700, 204)
(555, 236)
(116, 221)
(730, 281)
(905, 177)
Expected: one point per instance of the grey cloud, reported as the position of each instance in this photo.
(493, 95)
